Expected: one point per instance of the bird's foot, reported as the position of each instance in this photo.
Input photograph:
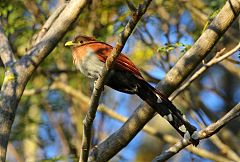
(193, 138)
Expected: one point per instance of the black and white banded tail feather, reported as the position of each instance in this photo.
(167, 110)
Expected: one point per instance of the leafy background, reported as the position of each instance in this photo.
(48, 125)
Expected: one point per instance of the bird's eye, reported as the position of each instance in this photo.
(81, 41)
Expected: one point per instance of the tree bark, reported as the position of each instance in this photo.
(18, 73)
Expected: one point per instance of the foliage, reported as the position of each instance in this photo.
(170, 47)
(165, 33)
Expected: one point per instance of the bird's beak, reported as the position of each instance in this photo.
(68, 43)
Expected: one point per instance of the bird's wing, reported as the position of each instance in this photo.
(122, 62)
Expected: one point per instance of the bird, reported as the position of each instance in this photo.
(89, 56)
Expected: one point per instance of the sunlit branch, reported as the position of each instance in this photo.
(204, 133)
(6, 53)
(49, 23)
(99, 84)
(222, 147)
(216, 59)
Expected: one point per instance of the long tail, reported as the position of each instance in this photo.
(167, 110)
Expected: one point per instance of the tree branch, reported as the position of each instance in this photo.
(165, 137)
(183, 68)
(99, 84)
(204, 133)
(50, 38)
(6, 53)
(216, 59)
(49, 23)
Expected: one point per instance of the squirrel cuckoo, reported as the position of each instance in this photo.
(89, 56)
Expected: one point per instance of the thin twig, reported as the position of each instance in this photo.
(223, 148)
(131, 6)
(204, 133)
(234, 61)
(99, 84)
(216, 59)
(30, 92)
(231, 68)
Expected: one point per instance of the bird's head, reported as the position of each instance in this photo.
(79, 40)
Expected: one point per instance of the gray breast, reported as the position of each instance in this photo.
(90, 65)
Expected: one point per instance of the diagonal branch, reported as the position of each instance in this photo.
(50, 38)
(183, 68)
(49, 23)
(204, 133)
(99, 84)
(6, 53)
(216, 59)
